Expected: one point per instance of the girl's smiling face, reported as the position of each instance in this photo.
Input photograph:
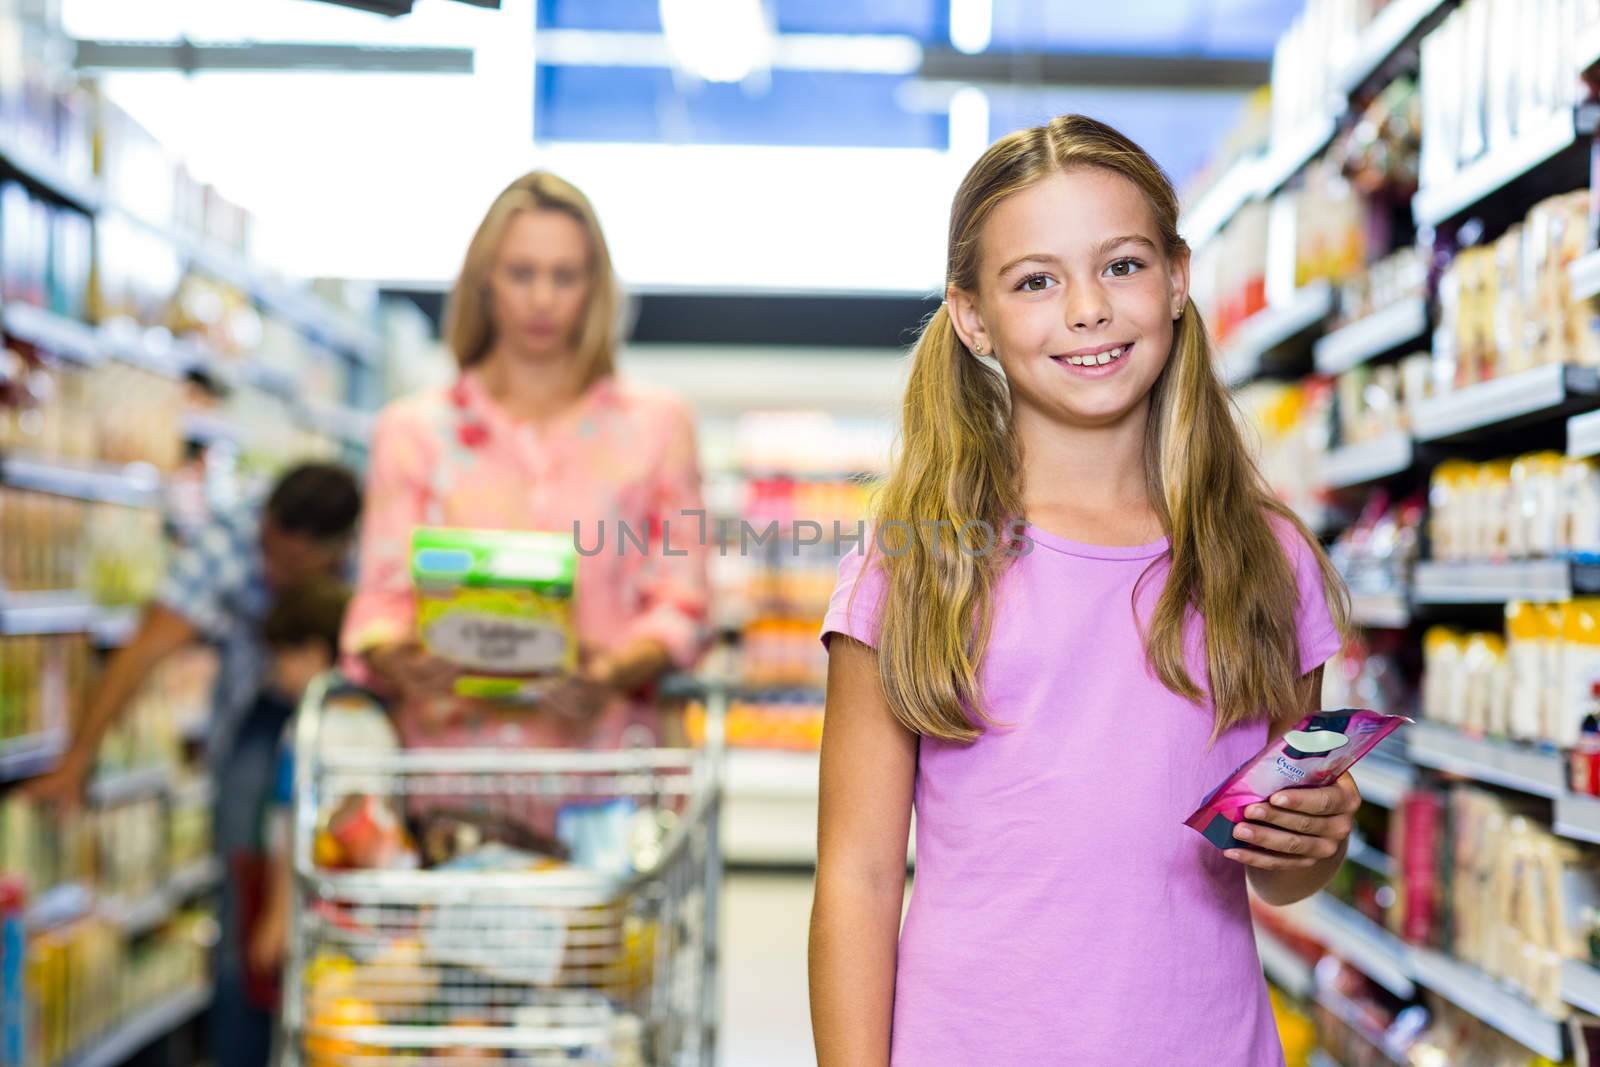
(1076, 297)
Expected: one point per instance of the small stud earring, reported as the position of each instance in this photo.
(977, 349)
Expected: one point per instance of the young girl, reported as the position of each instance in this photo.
(1055, 705)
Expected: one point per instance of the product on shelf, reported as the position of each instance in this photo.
(784, 721)
(1466, 681)
(1535, 506)
(1371, 671)
(783, 653)
(42, 678)
(40, 546)
(1375, 554)
(1493, 73)
(811, 442)
(1381, 151)
(1291, 424)
(1399, 276)
(1374, 401)
(1508, 307)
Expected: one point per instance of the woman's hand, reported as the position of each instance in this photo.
(1298, 828)
(413, 670)
(418, 678)
(602, 677)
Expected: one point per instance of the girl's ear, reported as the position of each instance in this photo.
(965, 318)
(1178, 282)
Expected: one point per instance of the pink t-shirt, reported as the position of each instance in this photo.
(1061, 911)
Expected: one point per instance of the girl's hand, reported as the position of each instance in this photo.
(1298, 828)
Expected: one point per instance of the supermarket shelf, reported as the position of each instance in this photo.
(1540, 580)
(53, 333)
(1350, 1014)
(1500, 1007)
(31, 755)
(347, 424)
(1285, 161)
(208, 429)
(136, 485)
(1580, 986)
(1478, 181)
(1284, 967)
(1371, 461)
(1222, 201)
(126, 786)
(1358, 940)
(1583, 274)
(1583, 435)
(1508, 402)
(1577, 817)
(197, 878)
(124, 1040)
(773, 774)
(1362, 853)
(1380, 610)
(1510, 766)
(1396, 326)
(1401, 21)
(1272, 328)
(46, 174)
(139, 917)
(45, 613)
(301, 307)
(114, 627)
(59, 906)
(1384, 781)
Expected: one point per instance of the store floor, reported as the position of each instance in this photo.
(765, 1008)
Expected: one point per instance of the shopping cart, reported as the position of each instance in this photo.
(609, 961)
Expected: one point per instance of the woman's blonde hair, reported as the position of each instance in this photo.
(468, 331)
(960, 462)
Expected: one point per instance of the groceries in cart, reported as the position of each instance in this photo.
(499, 605)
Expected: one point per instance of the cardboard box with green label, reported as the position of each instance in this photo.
(499, 605)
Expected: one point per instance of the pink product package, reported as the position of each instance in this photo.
(1315, 753)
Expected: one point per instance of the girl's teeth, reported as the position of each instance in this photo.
(1104, 357)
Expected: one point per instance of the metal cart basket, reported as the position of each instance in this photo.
(605, 959)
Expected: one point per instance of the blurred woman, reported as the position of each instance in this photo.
(537, 433)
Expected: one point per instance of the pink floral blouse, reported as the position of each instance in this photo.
(454, 457)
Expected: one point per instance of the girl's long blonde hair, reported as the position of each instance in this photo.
(468, 329)
(960, 462)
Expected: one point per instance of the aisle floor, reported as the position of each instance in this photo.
(766, 1015)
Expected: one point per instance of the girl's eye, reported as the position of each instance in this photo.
(521, 275)
(1036, 283)
(1122, 268)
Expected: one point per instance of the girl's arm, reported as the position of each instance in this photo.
(1306, 831)
(868, 768)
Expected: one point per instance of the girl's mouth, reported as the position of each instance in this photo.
(1097, 362)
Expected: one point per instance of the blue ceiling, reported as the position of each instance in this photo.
(600, 104)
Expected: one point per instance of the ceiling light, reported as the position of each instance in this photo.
(971, 25)
(718, 40)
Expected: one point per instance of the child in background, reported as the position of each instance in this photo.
(1085, 610)
(302, 632)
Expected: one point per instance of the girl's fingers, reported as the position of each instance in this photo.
(1286, 843)
(1337, 827)
(1268, 861)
